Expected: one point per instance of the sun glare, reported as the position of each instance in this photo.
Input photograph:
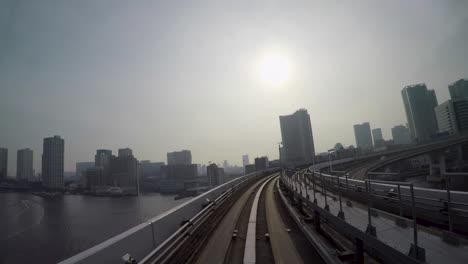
(274, 69)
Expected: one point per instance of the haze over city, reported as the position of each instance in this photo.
(164, 76)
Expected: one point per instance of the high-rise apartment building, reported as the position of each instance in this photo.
(362, 134)
(183, 157)
(401, 135)
(3, 164)
(53, 163)
(452, 116)
(459, 89)
(419, 105)
(215, 175)
(296, 134)
(24, 165)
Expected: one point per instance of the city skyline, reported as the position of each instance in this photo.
(166, 84)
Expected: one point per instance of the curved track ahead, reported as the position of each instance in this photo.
(286, 243)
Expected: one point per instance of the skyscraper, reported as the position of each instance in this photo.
(401, 135)
(102, 160)
(183, 157)
(362, 134)
(215, 175)
(459, 89)
(3, 164)
(53, 163)
(245, 160)
(452, 116)
(419, 106)
(24, 164)
(124, 173)
(378, 138)
(298, 141)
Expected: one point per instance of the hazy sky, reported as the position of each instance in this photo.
(158, 76)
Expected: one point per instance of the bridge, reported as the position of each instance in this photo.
(304, 214)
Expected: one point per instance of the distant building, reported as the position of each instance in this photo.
(53, 163)
(150, 169)
(249, 168)
(362, 134)
(181, 171)
(245, 160)
(378, 137)
(94, 178)
(298, 141)
(215, 175)
(261, 163)
(401, 135)
(338, 146)
(183, 157)
(452, 116)
(3, 164)
(174, 177)
(123, 152)
(419, 105)
(349, 152)
(80, 170)
(225, 164)
(102, 160)
(459, 89)
(24, 165)
(124, 173)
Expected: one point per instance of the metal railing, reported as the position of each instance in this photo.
(371, 244)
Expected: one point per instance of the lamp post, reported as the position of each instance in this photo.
(329, 160)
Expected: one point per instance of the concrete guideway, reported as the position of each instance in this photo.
(250, 241)
(217, 247)
(282, 245)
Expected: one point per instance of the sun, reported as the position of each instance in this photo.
(274, 68)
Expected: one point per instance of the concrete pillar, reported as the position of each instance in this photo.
(437, 167)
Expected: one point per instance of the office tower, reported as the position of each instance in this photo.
(419, 106)
(3, 164)
(459, 89)
(452, 116)
(124, 173)
(53, 163)
(245, 160)
(183, 157)
(362, 134)
(125, 152)
(24, 165)
(401, 135)
(298, 141)
(378, 138)
(102, 160)
(261, 163)
(215, 175)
